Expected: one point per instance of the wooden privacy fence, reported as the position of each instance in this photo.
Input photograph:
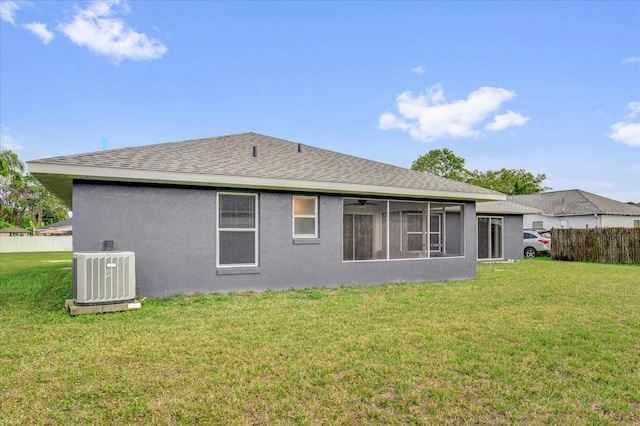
(604, 245)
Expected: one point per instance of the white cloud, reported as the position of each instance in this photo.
(8, 9)
(40, 30)
(631, 60)
(428, 115)
(627, 131)
(504, 121)
(99, 28)
(7, 140)
(418, 70)
(634, 109)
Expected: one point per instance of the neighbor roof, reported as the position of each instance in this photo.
(229, 161)
(66, 222)
(14, 230)
(576, 202)
(505, 207)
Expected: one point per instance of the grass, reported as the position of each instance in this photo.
(536, 342)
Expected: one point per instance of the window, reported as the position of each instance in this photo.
(537, 224)
(237, 243)
(636, 223)
(305, 217)
(396, 229)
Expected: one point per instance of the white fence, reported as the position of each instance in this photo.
(36, 244)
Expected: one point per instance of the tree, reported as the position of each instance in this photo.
(441, 162)
(10, 166)
(508, 181)
(24, 201)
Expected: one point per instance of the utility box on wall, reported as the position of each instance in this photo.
(103, 277)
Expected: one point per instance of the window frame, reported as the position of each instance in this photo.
(255, 230)
(303, 216)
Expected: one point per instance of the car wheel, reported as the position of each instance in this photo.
(530, 252)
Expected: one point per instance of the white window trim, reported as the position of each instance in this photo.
(304, 216)
(254, 229)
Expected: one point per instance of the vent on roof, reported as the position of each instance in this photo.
(255, 151)
(102, 278)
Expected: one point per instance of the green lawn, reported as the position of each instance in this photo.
(536, 342)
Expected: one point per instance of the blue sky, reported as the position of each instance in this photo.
(549, 87)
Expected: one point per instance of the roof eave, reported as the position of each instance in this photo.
(60, 179)
(498, 211)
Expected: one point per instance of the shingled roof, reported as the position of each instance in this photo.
(248, 160)
(576, 202)
(505, 207)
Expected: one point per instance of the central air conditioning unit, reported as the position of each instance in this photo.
(103, 277)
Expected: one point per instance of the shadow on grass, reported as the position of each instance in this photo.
(44, 288)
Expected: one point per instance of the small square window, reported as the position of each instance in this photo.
(305, 217)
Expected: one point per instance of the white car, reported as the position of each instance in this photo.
(536, 242)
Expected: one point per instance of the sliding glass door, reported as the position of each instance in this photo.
(490, 238)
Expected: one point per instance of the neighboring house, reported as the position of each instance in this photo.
(577, 209)
(499, 229)
(252, 212)
(14, 231)
(64, 227)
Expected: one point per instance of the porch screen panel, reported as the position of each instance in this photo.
(435, 232)
(347, 237)
(415, 232)
(453, 238)
(409, 229)
(410, 235)
(363, 237)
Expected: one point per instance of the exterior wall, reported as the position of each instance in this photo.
(581, 222)
(611, 221)
(173, 234)
(513, 241)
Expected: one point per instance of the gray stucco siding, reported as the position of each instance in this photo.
(513, 242)
(172, 230)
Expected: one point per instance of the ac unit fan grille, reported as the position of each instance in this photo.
(103, 278)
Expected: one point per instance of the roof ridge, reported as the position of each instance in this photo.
(134, 147)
